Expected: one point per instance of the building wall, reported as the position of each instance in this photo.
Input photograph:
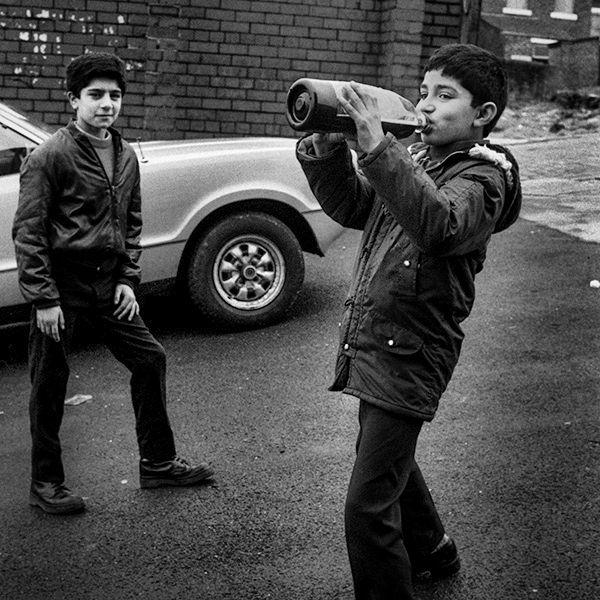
(541, 22)
(574, 65)
(442, 24)
(546, 52)
(201, 68)
(410, 32)
(491, 37)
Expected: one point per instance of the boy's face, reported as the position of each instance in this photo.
(98, 106)
(447, 106)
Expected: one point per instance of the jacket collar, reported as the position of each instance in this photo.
(458, 147)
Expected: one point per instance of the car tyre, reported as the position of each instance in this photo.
(245, 271)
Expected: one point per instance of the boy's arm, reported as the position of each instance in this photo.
(344, 194)
(130, 269)
(455, 219)
(30, 234)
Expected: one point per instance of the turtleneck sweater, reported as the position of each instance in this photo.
(104, 149)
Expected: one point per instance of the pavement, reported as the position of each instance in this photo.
(561, 180)
(512, 458)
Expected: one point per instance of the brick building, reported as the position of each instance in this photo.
(548, 44)
(202, 68)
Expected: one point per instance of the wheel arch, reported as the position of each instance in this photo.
(286, 214)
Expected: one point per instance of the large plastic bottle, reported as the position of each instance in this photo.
(314, 105)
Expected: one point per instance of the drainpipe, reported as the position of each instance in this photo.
(469, 23)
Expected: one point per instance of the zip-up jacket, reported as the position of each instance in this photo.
(71, 211)
(425, 234)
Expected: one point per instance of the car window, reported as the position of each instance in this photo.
(13, 149)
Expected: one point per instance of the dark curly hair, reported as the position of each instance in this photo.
(92, 65)
(479, 71)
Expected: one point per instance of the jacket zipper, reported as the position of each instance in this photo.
(112, 191)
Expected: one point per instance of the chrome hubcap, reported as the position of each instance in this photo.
(249, 272)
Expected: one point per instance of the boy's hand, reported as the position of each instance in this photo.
(363, 109)
(326, 142)
(127, 305)
(50, 321)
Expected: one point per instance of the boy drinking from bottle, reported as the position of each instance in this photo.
(427, 214)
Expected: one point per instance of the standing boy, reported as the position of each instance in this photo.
(427, 214)
(77, 239)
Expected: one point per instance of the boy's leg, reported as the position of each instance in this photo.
(423, 529)
(429, 549)
(134, 346)
(49, 373)
(384, 465)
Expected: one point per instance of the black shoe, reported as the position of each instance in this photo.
(441, 563)
(176, 471)
(55, 498)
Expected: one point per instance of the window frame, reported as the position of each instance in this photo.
(563, 12)
(520, 11)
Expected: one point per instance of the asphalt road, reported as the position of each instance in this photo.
(512, 458)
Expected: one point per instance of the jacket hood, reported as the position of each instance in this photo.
(500, 156)
(514, 196)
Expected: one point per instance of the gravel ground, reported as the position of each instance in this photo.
(569, 114)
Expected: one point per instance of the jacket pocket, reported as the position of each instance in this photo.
(393, 337)
(398, 271)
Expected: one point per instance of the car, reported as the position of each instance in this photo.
(227, 220)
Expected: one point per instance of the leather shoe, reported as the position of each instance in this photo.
(441, 563)
(55, 498)
(177, 472)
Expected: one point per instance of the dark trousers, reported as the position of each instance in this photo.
(135, 347)
(389, 514)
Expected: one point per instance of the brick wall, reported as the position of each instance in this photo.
(201, 68)
(574, 65)
(441, 25)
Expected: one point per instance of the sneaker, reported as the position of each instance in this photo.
(176, 471)
(55, 498)
(443, 562)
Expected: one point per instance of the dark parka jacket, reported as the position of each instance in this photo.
(72, 212)
(425, 234)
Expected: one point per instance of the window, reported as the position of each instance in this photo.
(13, 149)
(595, 26)
(517, 7)
(564, 6)
(540, 50)
(563, 9)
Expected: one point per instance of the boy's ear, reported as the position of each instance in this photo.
(485, 114)
(72, 99)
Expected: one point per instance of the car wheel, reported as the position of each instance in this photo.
(245, 271)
